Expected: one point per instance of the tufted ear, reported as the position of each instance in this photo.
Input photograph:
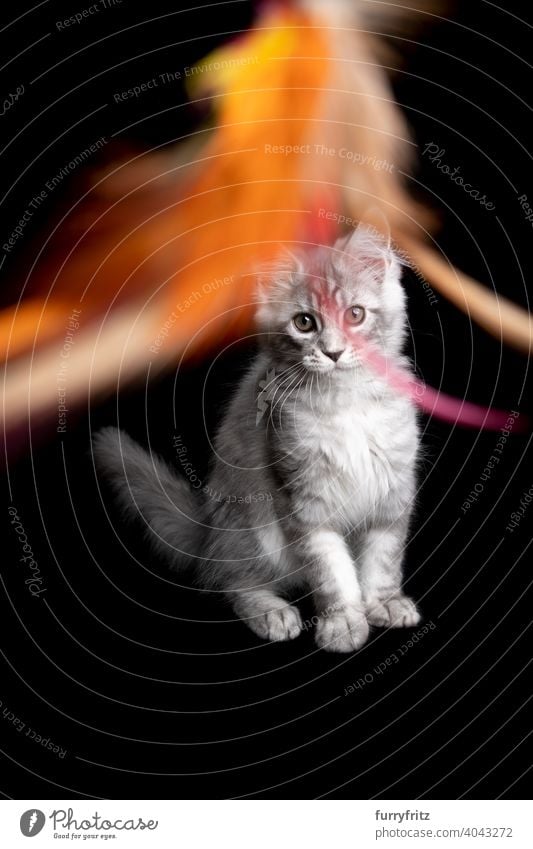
(274, 286)
(276, 275)
(371, 249)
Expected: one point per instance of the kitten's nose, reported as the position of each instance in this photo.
(333, 355)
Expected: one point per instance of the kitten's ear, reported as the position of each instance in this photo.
(275, 274)
(274, 284)
(372, 247)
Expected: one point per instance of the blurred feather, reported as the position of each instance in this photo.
(157, 252)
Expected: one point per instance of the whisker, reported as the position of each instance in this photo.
(294, 378)
(277, 376)
(281, 385)
(291, 391)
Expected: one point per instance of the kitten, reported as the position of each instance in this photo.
(313, 478)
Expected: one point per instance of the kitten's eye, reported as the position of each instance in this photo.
(355, 315)
(304, 322)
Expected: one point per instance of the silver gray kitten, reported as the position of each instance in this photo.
(313, 478)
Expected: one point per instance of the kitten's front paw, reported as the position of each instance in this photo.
(343, 631)
(396, 612)
(284, 623)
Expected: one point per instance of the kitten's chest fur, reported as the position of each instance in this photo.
(353, 456)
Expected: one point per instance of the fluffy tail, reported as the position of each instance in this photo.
(148, 489)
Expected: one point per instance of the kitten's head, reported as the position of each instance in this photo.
(318, 307)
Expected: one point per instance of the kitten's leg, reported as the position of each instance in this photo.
(342, 624)
(267, 614)
(380, 569)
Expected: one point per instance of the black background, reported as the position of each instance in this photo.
(150, 687)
